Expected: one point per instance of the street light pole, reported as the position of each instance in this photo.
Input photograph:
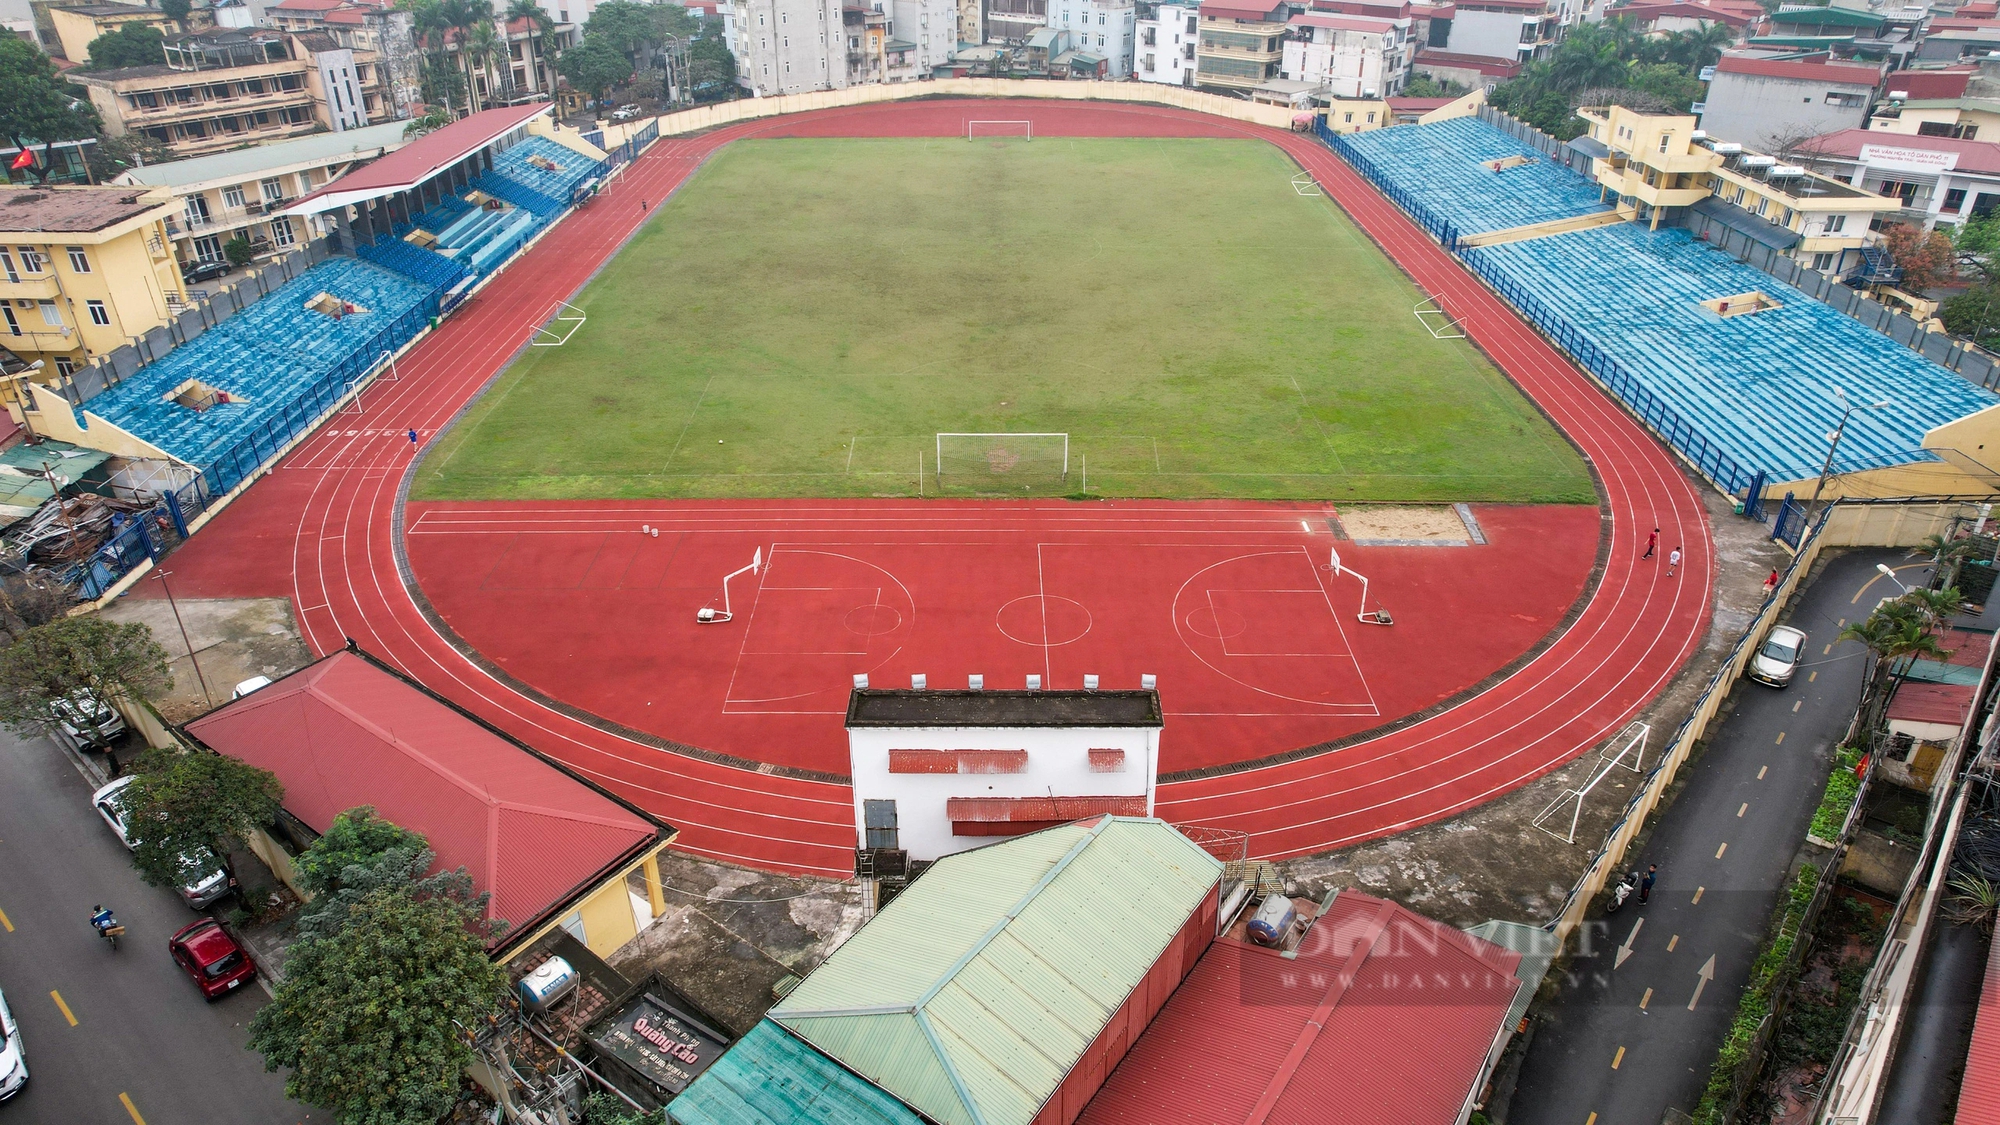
(1839, 432)
(161, 575)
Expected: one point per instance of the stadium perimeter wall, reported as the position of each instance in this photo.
(1151, 93)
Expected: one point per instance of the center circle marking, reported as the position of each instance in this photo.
(873, 620)
(1043, 620)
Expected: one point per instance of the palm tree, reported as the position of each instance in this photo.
(1706, 46)
(538, 22)
(481, 48)
(1586, 60)
(460, 16)
(432, 25)
(1946, 555)
(1890, 635)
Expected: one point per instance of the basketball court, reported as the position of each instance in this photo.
(1259, 644)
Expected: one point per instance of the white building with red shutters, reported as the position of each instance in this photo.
(937, 772)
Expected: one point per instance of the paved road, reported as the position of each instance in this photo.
(142, 1032)
(1623, 1043)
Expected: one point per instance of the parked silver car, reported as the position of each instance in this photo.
(13, 1056)
(87, 720)
(205, 877)
(1778, 660)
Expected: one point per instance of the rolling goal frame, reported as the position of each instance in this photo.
(1026, 131)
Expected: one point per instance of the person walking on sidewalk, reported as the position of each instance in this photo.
(1646, 884)
(1673, 561)
(1652, 541)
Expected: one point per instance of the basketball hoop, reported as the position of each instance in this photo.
(709, 615)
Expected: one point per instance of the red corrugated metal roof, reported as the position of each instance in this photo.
(1643, 13)
(1451, 60)
(424, 157)
(1931, 703)
(343, 732)
(1039, 810)
(1931, 85)
(1968, 648)
(1383, 1017)
(1979, 1092)
(1841, 73)
(1419, 105)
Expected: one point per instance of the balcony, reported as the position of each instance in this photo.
(30, 287)
(38, 337)
(205, 106)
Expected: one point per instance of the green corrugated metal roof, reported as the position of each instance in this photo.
(1819, 42)
(973, 994)
(770, 1078)
(1826, 17)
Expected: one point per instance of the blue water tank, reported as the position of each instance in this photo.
(1273, 920)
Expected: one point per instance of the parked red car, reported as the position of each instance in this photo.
(212, 958)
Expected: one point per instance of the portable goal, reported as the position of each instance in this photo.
(1002, 461)
(1022, 129)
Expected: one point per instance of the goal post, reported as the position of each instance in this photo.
(1022, 129)
(1000, 458)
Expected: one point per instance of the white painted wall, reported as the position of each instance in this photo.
(1168, 51)
(1101, 27)
(1489, 35)
(931, 24)
(1058, 765)
(1356, 64)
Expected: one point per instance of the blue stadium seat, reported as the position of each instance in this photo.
(1443, 166)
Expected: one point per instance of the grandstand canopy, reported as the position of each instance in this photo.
(421, 159)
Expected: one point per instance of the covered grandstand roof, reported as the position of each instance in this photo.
(421, 159)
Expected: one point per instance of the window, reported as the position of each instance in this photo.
(7, 265)
(1823, 262)
(1954, 200)
(99, 315)
(879, 819)
(77, 261)
(1835, 224)
(1664, 138)
(50, 316)
(574, 924)
(1845, 101)
(13, 326)
(1349, 118)
(281, 231)
(65, 366)
(208, 248)
(31, 260)
(232, 196)
(785, 41)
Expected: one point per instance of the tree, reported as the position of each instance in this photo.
(369, 1014)
(460, 16)
(711, 65)
(113, 156)
(1974, 314)
(1432, 88)
(481, 48)
(593, 66)
(36, 107)
(1888, 635)
(177, 11)
(239, 251)
(356, 840)
(1925, 257)
(1589, 57)
(27, 601)
(433, 118)
(50, 663)
(183, 802)
(133, 44)
(627, 28)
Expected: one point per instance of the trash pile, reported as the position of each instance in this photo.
(66, 536)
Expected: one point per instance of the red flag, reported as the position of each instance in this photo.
(25, 160)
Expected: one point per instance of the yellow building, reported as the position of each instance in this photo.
(78, 24)
(83, 270)
(1654, 166)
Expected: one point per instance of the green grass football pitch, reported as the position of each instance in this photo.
(805, 316)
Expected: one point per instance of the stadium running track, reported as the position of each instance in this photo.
(327, 536)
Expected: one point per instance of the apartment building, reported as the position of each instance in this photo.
(1353, 56)
(1165, 45)
(793, 46)
(971, 21)
(225, 88)
(374, 26)
(1242, 43)
(1656, 167)
(240, 193)
(1771, 102)
(1962, 102)
(1014, 21)
(1104, 29)
(83, 270)
(1510, 31)
(1934, 180)
(924, 34)
(74, 26)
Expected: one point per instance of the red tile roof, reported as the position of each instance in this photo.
(1840, 73)
(1931, 703)
(1646, 13)
(1973, 156)
(1419, 105)
(1979, 1092)
(307, 5)
(1039, 810)
(345, 731)
(422, 158)
(1380, 9)
(1258, 10)
(1931, 85)
(1384, 1018)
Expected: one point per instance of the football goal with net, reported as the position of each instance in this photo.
(1002, 460)
(977, 129)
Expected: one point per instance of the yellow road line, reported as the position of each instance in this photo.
(1676, 939)
(1618, 1058)
(1720, 850)
(126, 1099)
(1697, 893)
(1814, 676)
(1646, 999)
(1796, 706)
(1592, 1119)
(1762, 772)
(1741, 811)
(1827, 651)
(1781, 739)
(5, 922)
(67, 1014)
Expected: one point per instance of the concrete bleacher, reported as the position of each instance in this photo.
(275, 359)
(1442, 166)
(516, 178)
(1759, 385)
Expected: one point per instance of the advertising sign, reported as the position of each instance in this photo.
(1891, 158)
(660, 1044)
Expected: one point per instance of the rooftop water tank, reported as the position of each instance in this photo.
(549, 982)
(1273, 920)
(1728, 148)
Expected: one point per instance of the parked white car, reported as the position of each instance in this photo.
(250, 685)
(87, 720)
(1777, 661)
(207, 877)
(13, 1056)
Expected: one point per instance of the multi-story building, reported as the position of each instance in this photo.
(1353, 56)
(790, 46)
(225, 88)
(1242, 43)
(1962, 102)
(379, 28)
(1772, 103)
(83, 270)
(1935, 180)
(72, 27)
(1165, 46)
(1512, 31)
(1014, 21)
(971, 21)
(241, 192)
(925, 35)
(1103, 28)
(1654, 168)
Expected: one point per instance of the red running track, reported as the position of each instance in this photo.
(327, 537)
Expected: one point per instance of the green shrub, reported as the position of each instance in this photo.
(1758, 996)
(1841, 788)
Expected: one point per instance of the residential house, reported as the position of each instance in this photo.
(1470, 71)
(1937, 179)
(971, 21)
(1771, 103)
(1962, 102)
(793, 46)
(241, 193)
(1104, 29)
(1351, 56)
(1165, 44)
(72, 27)
(1510, 31)
(1242, 43)
(1657, 168)
(924, 35)
(375, 26)
(83, 270)
(226, 88)
(1679, 17)
(1013, 21)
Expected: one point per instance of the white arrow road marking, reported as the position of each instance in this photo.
(1707, 974)
(1625, 950)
